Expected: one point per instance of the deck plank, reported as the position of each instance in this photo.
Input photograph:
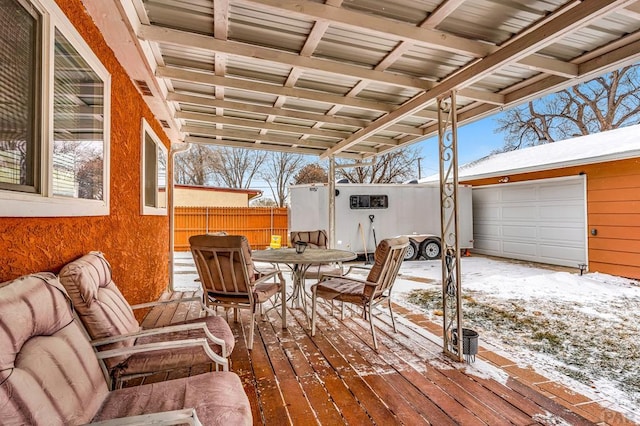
(337, 378)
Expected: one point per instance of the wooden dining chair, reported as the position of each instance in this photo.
(228, 276)
(371, 292)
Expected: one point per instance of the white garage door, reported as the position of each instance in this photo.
(542, 221)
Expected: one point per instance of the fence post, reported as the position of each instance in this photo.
(206, 220)
(271, 219)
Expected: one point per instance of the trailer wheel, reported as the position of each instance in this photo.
(412, 251)
(430, 249)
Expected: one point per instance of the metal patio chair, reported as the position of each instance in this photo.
(374, 290)
(315, 239)
(228, 276)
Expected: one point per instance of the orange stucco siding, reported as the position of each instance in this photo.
(137, 246)
(613, 210)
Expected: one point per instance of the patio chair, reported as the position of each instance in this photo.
(110, 323)
(315, 239)
(228, 276)
(374, 290)
(50, 375)
(259, 271)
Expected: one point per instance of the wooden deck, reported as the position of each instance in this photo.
(337, 378)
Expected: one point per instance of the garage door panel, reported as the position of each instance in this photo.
(515, 248)
(560, 192)
(560, 255)
(519, 232)
(486, 212)
(571, 236)
(487, 246)
(520, 194)
(564, 211)
(526, 212)
(486, 230)
(542, 221)
(485, 196)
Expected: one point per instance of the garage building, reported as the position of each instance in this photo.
(568, 203)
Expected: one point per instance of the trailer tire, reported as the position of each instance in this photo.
(430, 249)
(412, 251)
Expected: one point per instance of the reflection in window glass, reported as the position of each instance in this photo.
(150, 171)
(19, 96)
(78, 147)
(162, 178)
(155, 173)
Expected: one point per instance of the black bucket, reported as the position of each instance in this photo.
(469, 343)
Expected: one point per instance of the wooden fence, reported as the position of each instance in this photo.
(258, 224)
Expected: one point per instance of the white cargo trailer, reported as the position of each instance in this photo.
(367, 213)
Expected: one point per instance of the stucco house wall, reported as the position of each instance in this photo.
(137, 246)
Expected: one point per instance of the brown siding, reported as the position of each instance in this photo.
(137, 246)
(256, 223)
(613, 209)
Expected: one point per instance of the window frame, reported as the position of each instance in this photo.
(149, 210)
(44, 203)
(356, 201)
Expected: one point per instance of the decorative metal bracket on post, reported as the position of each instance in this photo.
(451, 285)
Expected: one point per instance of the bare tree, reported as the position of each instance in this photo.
(394, 167)
(607, 102)
(263, 202)
(311, 173)
(196, 165)
(237, 167)
(279, 169)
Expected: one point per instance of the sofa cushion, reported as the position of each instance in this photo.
(100, 305)
(219, 399)
(49, 373)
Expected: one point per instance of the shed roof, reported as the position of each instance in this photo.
(611, 145)
(354, 78)
(251, 193)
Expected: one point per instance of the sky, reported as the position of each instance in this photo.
(475, 140)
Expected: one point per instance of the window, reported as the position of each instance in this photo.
(154, 173)
(368, 202)
(54, 115)
(20, 33)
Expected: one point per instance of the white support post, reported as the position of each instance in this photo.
(332, 202)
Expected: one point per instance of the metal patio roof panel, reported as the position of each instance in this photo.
(264, 28)
(189, 15)
(367, 66)
(349, 47)
(401, 10)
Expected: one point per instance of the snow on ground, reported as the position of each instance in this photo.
(582, 331)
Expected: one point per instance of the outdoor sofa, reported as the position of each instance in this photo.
(50, 374)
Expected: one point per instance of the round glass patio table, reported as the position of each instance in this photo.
(299, 263)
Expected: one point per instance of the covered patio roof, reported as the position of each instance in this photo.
(356, 78)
